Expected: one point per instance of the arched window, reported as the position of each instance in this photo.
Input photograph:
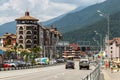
(35, 37)
(21, 46)
(35, 28)
(28, 41)
(21, 28)
(20, 37)
(29, 32)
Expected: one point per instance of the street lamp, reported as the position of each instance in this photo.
(96, 42)
(108, 24)
(100, 39)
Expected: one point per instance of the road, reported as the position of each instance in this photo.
(47, 73)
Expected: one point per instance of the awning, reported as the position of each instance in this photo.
(2, 52)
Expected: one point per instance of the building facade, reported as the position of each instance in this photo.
(113, 49)
(31, 34)
(7, 39)
(27, 31)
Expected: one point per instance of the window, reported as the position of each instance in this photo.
(20, 32)
(28, 46)
(28, 27)
(35, 42)
(111, 52)
(20, 41)
(20, 37)
(28, 41)
(35, 32)
(111, 47)
(29, 32)
(35, 37)
(28, 37)
(21, 28)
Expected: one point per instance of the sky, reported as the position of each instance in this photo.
(40, 9)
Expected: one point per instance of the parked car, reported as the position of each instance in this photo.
(6, 64)
(20, 63)
(13, 64)
(53, 61)
(42, 61)
(28, 64)
(84, 63)
(70, 64)
(60, 60)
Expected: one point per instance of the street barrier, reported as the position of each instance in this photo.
(27, 67)
(95, 75)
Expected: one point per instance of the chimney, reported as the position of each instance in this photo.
(26, 13)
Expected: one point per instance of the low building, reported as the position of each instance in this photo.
(73, 50)
(113, 49)
(7, 39)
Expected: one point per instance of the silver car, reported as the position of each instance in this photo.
(84, 63)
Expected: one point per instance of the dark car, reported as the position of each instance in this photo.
(70, 64)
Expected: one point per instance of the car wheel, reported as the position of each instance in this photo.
(79, 68)
(87, 68)
(66, 68)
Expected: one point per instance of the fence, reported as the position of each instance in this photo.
(95, 75)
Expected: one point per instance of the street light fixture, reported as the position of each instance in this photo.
(96, 41)
(100, 39)
(108, 25)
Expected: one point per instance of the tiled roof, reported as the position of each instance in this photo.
(117, 40)
(8, 34)
(27, 17)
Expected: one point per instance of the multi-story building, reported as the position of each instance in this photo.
(30, 34)
(27, 31)
(113, 49)
(7, 39)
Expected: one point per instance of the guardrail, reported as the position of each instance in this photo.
(27, 67)
(95, 75)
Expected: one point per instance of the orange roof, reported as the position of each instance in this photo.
(117, 40)
(27, 17)
(8, 34)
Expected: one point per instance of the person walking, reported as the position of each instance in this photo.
(106, 64)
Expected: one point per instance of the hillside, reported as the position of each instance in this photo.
(85, 17)
(8, 27)
(87, 32)
(74, 20)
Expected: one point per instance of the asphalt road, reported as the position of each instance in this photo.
(47, 73)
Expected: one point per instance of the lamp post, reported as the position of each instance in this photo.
(108, 25)
(100, 43)
(96, 42)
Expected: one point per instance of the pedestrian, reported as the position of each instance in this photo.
(106, 64)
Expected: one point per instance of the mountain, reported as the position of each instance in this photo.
(87, 16)
(8, 27)
(76, 19)
(87, 33)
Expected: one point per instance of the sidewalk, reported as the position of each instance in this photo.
(107, 75)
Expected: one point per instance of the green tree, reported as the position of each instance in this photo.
(25, 54)
(36, 51)
(8, 53)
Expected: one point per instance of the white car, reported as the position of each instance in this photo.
(13, 64)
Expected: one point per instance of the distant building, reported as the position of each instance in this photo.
(7, 39)
(73, 50)
(113, 49)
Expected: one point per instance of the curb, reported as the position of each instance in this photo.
(28, 67)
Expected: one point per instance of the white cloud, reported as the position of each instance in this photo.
(41, 9)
